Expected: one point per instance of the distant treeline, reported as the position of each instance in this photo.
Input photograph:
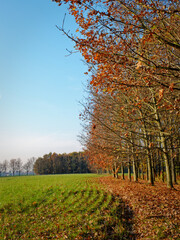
(16, 167)
(54, 163)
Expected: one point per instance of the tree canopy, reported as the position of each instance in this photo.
(132, 50)
(54, 163)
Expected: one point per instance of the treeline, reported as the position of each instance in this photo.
(16, 167)
(54, 163)
(131, 117)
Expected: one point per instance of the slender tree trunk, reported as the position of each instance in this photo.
(142, 171)
(162, 170)
(133, 162)
(148, 152)
(173, 171)
(138, 170)
(139, 173)
(153, 168)
(114, 171)
(147, 173)
(159, 164)
(129, 171)
(122, 171)
(164, 148)
(135, 171)
(117, 170)
(172, 164)
(149, 167)
(167, 162)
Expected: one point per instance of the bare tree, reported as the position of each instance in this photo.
(19, 165)
(32, 161)
(5, 166)
(1, 168)
(27, 166)
(13, 165)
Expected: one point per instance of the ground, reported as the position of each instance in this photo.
(155, 209)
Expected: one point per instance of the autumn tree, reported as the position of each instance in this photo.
(120, 122)
(131, 47)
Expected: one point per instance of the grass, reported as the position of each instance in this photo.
(59, 207)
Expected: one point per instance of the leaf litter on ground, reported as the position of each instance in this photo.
(156, 209)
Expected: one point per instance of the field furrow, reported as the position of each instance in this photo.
(58, 207)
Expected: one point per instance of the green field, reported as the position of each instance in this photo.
(59, 207)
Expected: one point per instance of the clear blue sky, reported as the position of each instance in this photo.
(39, 85)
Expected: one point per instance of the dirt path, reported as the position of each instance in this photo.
(156, 208)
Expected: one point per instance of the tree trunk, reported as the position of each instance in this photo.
(147, 173)
(153, 168)
(162, 170)
(142, 171)
(129, 171)
(159, 164)
(173, 164)
(135, 171)
(134, 163)
(173, 171)
(149, 167)
(164, 147)
(167, 162)
(122, 171)
(149, 163)
(138, 170)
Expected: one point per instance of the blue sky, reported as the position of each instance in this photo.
(39, 85)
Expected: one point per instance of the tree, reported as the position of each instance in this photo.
(5, 166)
(1, 168)
(27, 166)
(54, 163)
(19, 165)
(13, 166)
(31, 163)
(132, 50)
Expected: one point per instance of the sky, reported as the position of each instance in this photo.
(40, 86)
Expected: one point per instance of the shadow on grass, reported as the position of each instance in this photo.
(100, 219)
(118, 227)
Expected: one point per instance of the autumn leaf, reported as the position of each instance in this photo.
(161, 93)
(171, 87)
